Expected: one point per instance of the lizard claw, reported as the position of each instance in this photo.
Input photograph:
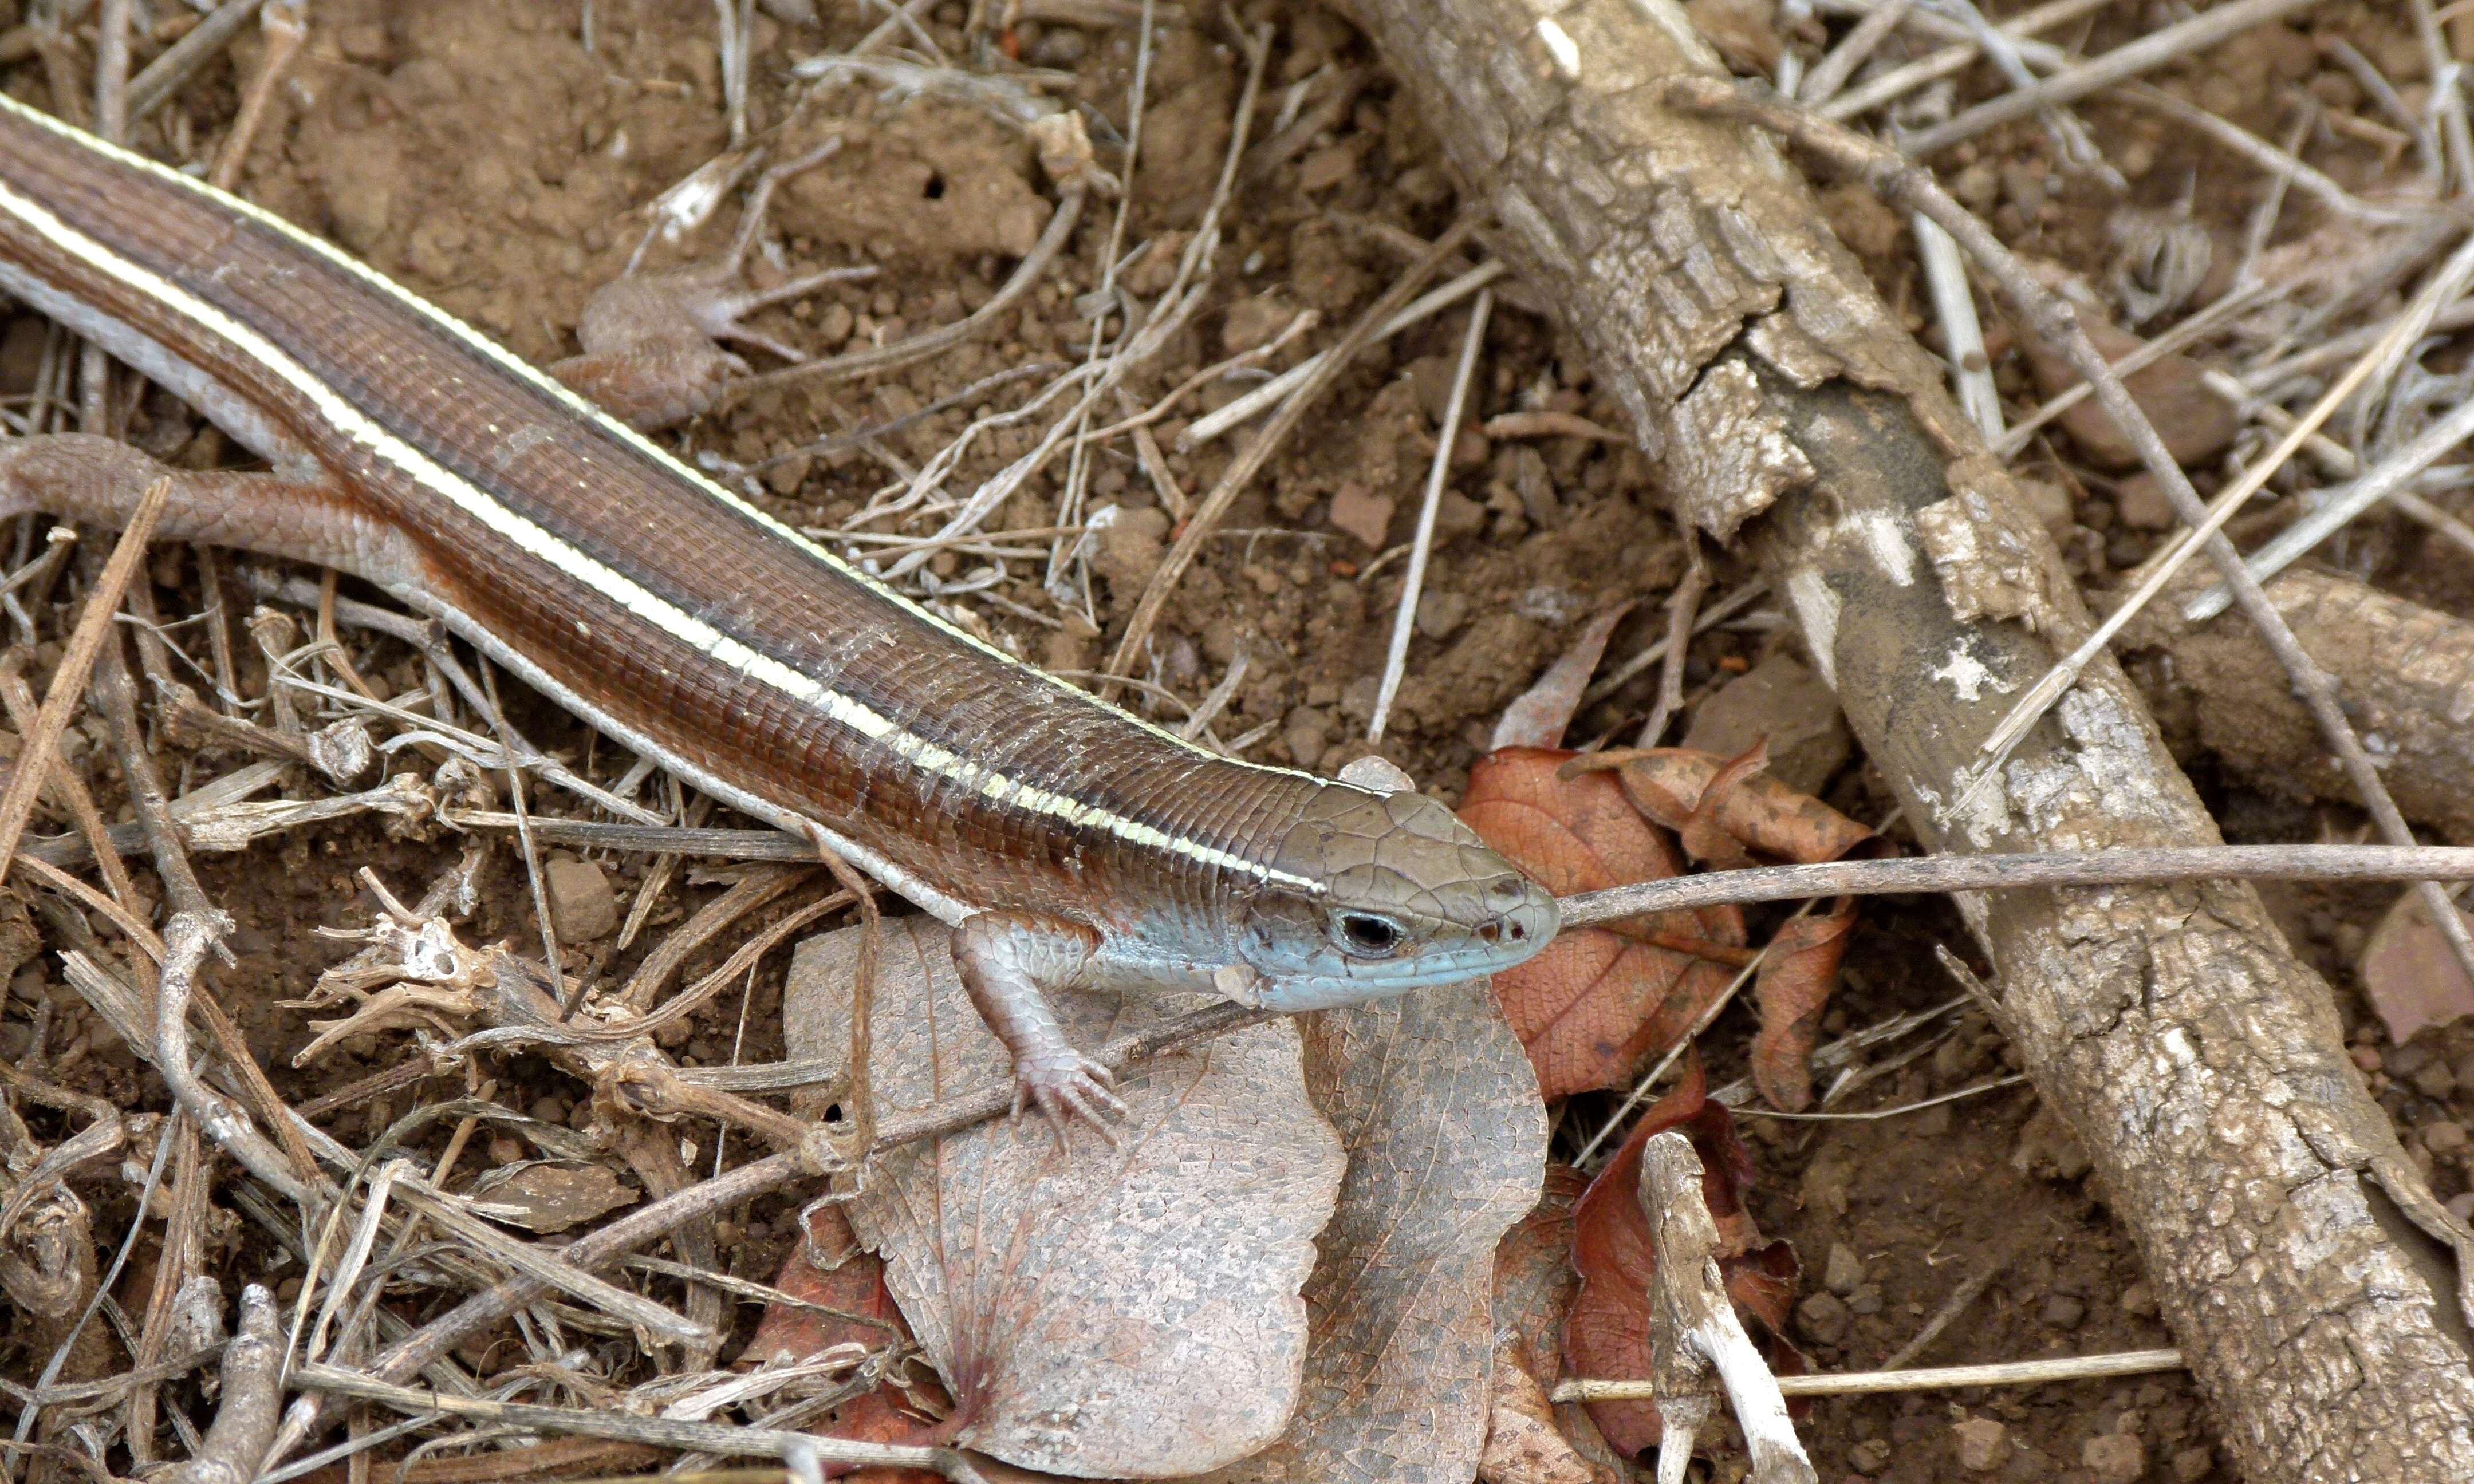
(1068, 1088)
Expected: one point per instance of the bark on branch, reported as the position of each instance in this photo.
(2302, 1260)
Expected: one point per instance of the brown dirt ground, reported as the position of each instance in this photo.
(479, 153)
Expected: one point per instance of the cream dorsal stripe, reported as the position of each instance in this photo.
(543, 545)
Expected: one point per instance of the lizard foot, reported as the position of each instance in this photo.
(1067, 1088)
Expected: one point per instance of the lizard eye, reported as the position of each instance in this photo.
(1367, 936)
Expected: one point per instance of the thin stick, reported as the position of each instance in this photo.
(285, 25)
(1970, 371)
(1273, 391)
(2384, 482)
(1951, 59)
(2054, 321)
(1711, 618)
(2149, 52)
(2149, 353)
(1822, 82)
(794, 1448)
(1683, 607)
(2161, 867)
(167, 72)
(86, 641)
(1957, 1304)
(2008, 1372)
(1243, 468)
(1404, 623)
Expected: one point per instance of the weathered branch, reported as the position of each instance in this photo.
(2201, 1062)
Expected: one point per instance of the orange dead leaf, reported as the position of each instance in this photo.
(854, 1287)
(1796, 978)
(1595, 1001)
(1721, 804)
(1609, 1331)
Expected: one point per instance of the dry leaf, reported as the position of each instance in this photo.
(1596, 999)
(1522, 1445)
(1115, 1311)
(1534, 1286)
(1702, 795)
(1608, 1332)
(1446, 1139)
(550, 1195)
(1796, 978)
(855, 1286)
(1537, 717)
(2409, 973)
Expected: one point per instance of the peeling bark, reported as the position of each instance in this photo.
(2303, 1264)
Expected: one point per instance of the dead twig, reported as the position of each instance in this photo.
(1404, 622)
(1243, 468)
(253, 1399)
(2162, 866)
(2145, 55)
(1701, 1345)
(1854, 1383)
(77, 661)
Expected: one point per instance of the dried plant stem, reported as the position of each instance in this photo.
(77, 663)
(148, 90)
(1404, 622)
(1997, 872)
(1701, 1345)
(657, 1219)
(801, 1449)
(2147, 53)
(253, 1399)
(2054, 321)
(1822, 82)
(1243, 468)
(2010, 1373)
(1682, 608)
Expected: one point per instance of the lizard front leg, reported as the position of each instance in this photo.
(1009, 960)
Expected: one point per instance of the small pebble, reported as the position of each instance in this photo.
(1871, 1456)
(2139, 504)
(1843, 1270)
(2139, 1300)
(2443, 1137)
(2462, 1206)
(1824, 1317)
(1984, 1445)
(1866, 1299)
(2115, 1458)
(2435, 1081)
(582, 906)
(2062, 1311)
(1441, 614)
(2194, 1463)
(1363, 513)
(2366, 1058)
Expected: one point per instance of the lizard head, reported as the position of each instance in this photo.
(1372, 894)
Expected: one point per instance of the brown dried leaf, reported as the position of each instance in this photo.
(1534, 1287)
(1537, 717)
(1674, 786)
(2410, 973)
(1596, 999)
(1128, 1311)
(1795, 980)
(855, 1287)
(1608, 1332)
(1446, 1139)
(1522, 1445)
